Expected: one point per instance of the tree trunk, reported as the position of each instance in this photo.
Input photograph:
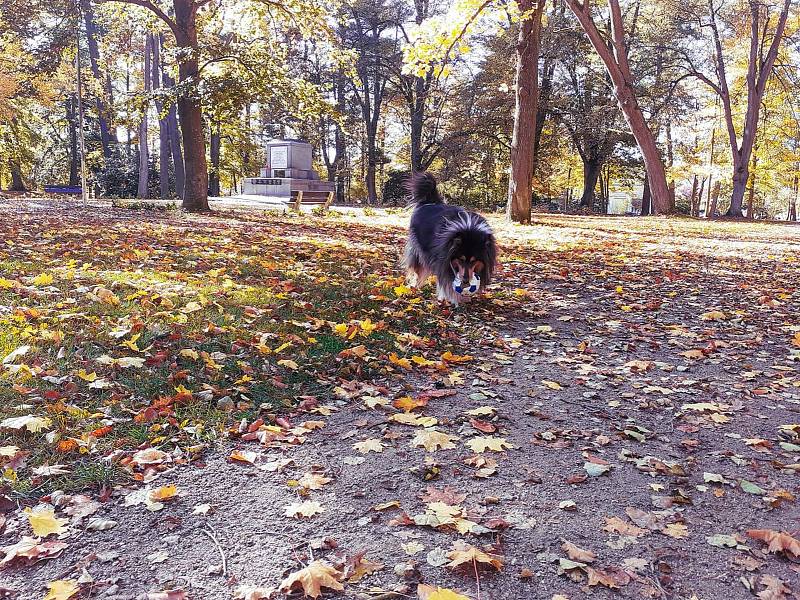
(163, 127)
(712, 211)
(17, 183)
(94, 59)
(615, 59)
(369, 176)
(173, 131)
(591, 172)
(74, 159)
(195, 192)
(647, 198)
(526, 92)
(213, 175)
(144, 154)
(693, 200)
(543, 106)
(751, 197)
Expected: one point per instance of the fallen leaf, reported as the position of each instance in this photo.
(44, 522)
(313, 578)
(62, 589)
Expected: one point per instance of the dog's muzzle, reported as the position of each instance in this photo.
(474, 282)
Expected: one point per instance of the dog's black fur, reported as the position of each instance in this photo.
(443, 238)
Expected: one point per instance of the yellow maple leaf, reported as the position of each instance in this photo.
(367, 327)
(7, 284)
(400, 362)
(289, 364)
(414, 420)
(427, 592)
(62, 589)
(551, 384)
(455, 358)
(403, 290)
(87, 376)
(433, 440)
(676, 530)
(315, 576)
(165, 492)
(42, 279)
(189, 353)
(465, 553)
(44, 522)
(481, 444)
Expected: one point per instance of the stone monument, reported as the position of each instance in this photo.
(288, 169)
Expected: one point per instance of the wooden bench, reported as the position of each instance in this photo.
(63, 189)
(299, 197)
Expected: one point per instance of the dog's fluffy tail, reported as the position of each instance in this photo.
(423, 189)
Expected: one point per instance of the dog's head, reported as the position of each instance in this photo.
(471, 259)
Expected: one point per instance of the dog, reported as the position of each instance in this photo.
(450, 242)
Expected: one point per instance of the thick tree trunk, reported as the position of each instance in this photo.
(213, 174)
(17, 182)
(526, 92)
(94, 59)
(543, 106)
(195, 192)
(144, 153)
(591, 172)
(74, 159)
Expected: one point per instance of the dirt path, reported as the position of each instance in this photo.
(643, 405)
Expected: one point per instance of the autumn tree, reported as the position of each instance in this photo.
(726, 22)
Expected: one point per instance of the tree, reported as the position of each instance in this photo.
(613, 52)
(526, 96)
(763, 51)
(183, 26)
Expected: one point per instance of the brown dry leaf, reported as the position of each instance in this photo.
(676, 530)
(150, 456)
(618, 526)
(407, 403)
(359, 567)
(613, 577)
(447, 495)
(244, 456)
(576, 553)
(369, 445)
(31, 549)
(775, 588)
(313, 578)
(779, 541)
(464, 553)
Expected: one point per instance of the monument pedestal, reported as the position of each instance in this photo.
(289, 169)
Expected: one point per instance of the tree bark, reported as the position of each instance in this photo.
(647, 198)
(195, 192)
(591, 172)
(369, 176)
(163, 127)
(72, 119)
(615, 59)
(144, 154)
(526, 93)
(17, 182)
(712, 211)
(94, 60)
(213, 174)
(693, 199)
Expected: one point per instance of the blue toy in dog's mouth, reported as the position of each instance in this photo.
(458, 285)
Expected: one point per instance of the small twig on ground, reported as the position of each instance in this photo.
(477, 577)
(209, 531)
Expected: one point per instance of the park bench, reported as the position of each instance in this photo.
(63, 189)
(304, 198)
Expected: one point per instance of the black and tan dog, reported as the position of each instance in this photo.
(450, 242)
